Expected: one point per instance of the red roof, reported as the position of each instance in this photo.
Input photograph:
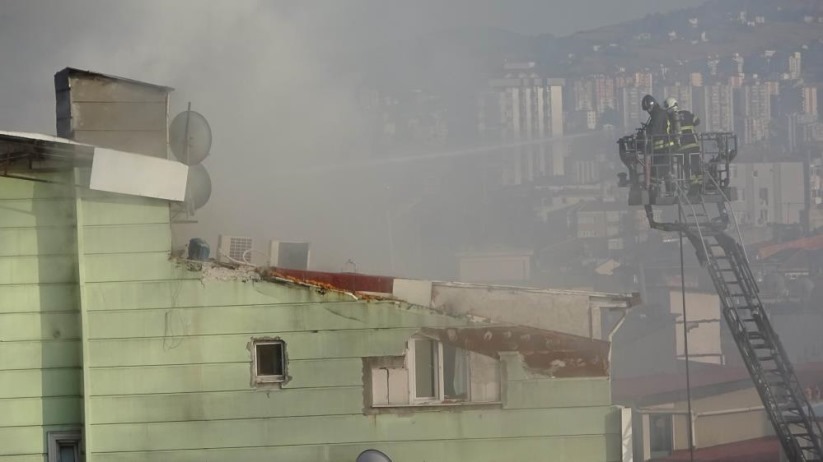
(766, 449)
(349, 282)
(635, 388)
(809, 243)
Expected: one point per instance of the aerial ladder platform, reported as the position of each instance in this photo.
(697, 182)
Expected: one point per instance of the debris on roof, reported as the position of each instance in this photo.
(544, 352)
(217, 272)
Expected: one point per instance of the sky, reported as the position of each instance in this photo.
(266, 74)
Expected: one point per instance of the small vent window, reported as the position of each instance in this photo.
(269, 361)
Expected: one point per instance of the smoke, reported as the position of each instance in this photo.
(279, 83)
(267, 77)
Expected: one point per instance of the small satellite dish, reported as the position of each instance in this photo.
(190, 137)
(372, 455)
(198, 187)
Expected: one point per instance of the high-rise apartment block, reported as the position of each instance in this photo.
(810, 101)
(795, 68)
(714, 104)
(520, 108)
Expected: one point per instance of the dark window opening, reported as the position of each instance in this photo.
(661, 434)
(455, 373)
(425, 358)
(270, 359)
(64, 446)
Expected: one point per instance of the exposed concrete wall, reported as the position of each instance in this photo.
(568, 313)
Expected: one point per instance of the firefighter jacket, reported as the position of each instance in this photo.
(658, 128)
(687, 137)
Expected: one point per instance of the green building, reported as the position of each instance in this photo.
(112, 350)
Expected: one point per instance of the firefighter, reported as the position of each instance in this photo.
(657, 129)
(658, 141)
(686, 142)
(682, 123)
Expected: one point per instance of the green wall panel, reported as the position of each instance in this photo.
(127, 238)
(42, 354)
(24, 458)
(22, 412)
(227, 405)
(38, 213)
(34, 383)
(12, 188)
(133, 267)
(190, 378)
(547, 392)
(24, 298)
(259, 319)
(124, 210)
(33, 270)
(37, 241)
(39, 326)
(341, 429)
(232, 348)
(26, 442)
(561, 449)
(197, 293)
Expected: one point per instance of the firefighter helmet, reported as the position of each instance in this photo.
(648, 103)
(670, 103)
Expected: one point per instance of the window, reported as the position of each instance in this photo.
(440, 371)
(434, 373)
(65, 446)
(661, 435)
(269, 361)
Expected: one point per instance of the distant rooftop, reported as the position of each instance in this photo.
(71, 71)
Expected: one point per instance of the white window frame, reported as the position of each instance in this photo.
(269, 379)
(67, 437)
(440, 385)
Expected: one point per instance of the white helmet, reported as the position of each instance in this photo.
(671, 102)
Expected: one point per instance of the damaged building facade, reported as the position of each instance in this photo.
(111, 350)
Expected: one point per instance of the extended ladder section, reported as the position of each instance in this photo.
(766, 360)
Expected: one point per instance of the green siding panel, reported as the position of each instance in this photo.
(259, 319)
(227, 405)
(26, 442)
(38, 298)
(35, 383)
(127, 238)
(341, 429)
(37, 241)
(12, 188)
(134, 267)
(44, 354)
(560, 449)
(23, 412)
(232, 348)
(220, 377)
(124, 210)
(39, 326)
(25, 458)
(547, 392)
(28, 214)
(33, 270)
(195, 292)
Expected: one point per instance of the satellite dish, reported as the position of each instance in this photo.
(190, 137)
(198, 187)
(372, 455)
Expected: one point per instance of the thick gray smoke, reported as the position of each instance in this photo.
(279, 82)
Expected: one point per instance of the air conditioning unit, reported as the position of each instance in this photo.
(289, 255)
(234, 249)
